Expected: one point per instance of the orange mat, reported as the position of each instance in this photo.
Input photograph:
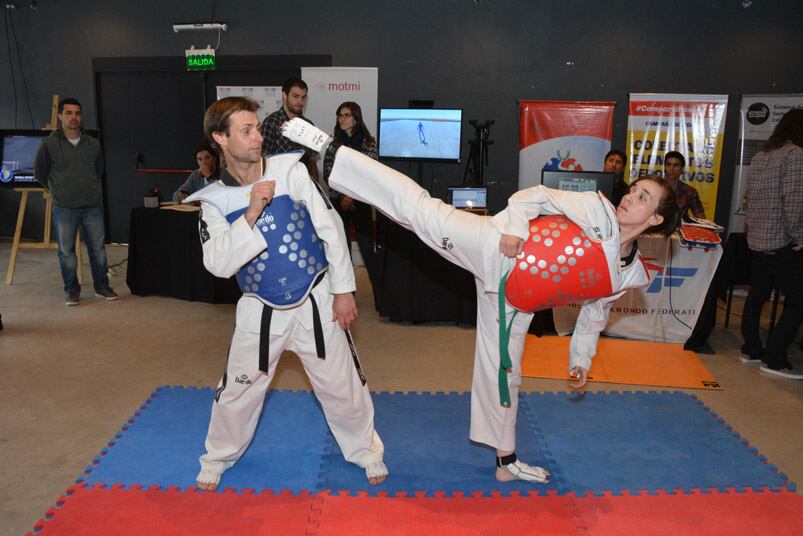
(620, 361)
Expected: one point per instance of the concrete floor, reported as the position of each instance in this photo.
(71, 376)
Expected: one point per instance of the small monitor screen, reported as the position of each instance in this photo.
(420, 134)
(18, 153)
(577, 185)
(469, 197)
(579, 181)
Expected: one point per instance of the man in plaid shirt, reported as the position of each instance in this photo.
(775, 236)
(294, 98)
(686, 196)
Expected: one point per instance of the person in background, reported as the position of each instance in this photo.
(207, 172)
(615, 163)
(294, 98)
(774, 223)
(350, 130)
(69, 164)
(686, 195)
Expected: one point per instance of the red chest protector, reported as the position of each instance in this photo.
(559, 265)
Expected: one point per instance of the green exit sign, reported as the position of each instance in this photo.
(201, 60)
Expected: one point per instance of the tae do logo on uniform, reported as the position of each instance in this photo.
(667, 277)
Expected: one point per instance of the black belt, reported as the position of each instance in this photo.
(264, 330)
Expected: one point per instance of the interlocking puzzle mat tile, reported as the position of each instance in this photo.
(702, 513)
(660, 364)
(138, 512)
(638, 440)
(427, 449)
(161, 443)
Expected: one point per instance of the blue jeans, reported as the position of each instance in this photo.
(66, 222)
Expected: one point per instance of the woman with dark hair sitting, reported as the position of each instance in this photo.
(547, 248)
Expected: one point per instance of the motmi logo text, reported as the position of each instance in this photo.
(338, 86)
(667, 277)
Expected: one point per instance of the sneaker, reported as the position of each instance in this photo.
(786, 371)
(750, 360)
(72, 298)
(106, 293)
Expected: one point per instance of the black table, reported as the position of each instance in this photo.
(417, 285)
(165, 258)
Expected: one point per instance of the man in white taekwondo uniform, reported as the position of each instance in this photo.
(269, 223)
(547, 248)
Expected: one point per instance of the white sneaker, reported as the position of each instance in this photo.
(788, 372)
(303, 133)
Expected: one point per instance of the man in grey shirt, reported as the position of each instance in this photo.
(69, 164)
(207, 172)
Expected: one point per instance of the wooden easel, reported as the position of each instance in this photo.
(45, 243)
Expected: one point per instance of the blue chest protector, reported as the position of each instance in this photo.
(282, 275)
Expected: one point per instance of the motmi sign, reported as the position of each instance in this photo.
(343, 86)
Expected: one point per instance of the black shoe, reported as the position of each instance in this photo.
(704, 349)
(106, 293)
(786, 371)
(72, 298)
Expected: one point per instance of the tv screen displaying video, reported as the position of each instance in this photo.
(420, 134)
(18, 152)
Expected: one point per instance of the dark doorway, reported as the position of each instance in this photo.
(150, 113)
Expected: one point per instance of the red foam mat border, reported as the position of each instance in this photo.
(97, 510)
(89, 511)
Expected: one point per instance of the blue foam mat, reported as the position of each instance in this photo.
(590, 442)
(637, 440)
(161, 446)
(427, 449)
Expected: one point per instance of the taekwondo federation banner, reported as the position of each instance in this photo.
(758, 115)
(268, 97)
(693, 125)
(668, 308)
(562, 135)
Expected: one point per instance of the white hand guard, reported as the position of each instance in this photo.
(303, 133)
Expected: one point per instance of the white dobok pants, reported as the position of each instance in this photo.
(469, 241)
(346, 403)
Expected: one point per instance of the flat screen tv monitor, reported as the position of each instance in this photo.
(18, 152)
(468, 197)
(420, 134)
(579, 181)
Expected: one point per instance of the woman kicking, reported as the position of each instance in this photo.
(547, 248)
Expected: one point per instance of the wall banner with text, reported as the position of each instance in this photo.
(562, 135)
(758, 115)
(693, 125)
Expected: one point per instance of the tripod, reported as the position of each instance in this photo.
(478, 154)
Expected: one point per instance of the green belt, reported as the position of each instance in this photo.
(505, 365)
